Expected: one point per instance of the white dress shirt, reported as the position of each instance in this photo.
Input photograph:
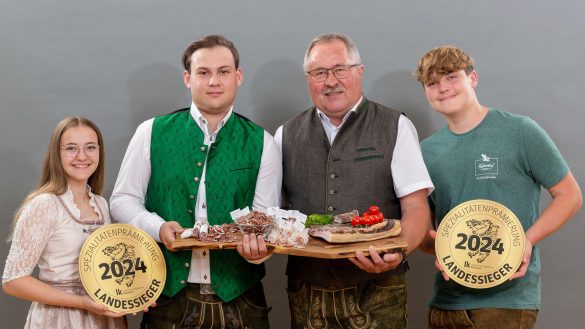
(408, 169)
(127, 201)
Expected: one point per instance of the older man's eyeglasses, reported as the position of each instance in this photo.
(72, 150)
(339, 71)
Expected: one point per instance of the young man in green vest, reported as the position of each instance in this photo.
(526, 160)
(197, 165)
(346, 153)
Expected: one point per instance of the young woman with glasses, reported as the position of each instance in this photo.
(51, 226)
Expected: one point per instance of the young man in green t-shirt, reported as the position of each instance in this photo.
(526, 159)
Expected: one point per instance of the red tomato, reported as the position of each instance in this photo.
(368, 220)
(379, 218)
(365, 214)
(374, 210)
(355, 221)
(362, 220)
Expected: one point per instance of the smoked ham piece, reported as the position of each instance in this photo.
(345, 233)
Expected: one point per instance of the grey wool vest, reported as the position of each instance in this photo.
(352, 173)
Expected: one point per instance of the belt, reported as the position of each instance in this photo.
(65, 284)
(203, 288)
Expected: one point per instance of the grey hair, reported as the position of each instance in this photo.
(352, 50)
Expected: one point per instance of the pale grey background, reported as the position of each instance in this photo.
(118, 63)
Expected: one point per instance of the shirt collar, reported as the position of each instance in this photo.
(202, 122)
(325, 118)
(67, 197)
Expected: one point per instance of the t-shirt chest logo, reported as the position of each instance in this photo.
(486, 167)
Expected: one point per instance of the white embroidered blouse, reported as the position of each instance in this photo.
(49, 234)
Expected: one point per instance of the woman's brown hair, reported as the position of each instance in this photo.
(53, 177)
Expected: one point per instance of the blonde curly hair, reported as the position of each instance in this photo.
(442, 60)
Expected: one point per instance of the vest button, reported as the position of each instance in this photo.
(182, 282)
(332, 176)
(199, 164)
(187, 265)
(191, 197)
(196, 179)
(331, 192)
(330, 208)
(202, 148)
(190, 211)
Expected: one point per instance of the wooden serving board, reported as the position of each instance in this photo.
(316, 247)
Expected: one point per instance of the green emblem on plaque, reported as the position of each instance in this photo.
(122, 267)
(480, 243)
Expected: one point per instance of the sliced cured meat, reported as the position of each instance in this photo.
(346, 217)
(345, 233)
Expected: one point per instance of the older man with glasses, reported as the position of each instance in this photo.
(345, 153)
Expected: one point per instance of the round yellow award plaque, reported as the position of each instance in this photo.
(122, 268)
(480, 243)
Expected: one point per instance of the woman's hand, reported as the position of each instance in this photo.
(93, 307)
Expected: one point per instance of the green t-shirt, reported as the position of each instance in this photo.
(506, 158)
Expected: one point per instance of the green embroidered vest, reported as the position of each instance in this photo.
(177, 157)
